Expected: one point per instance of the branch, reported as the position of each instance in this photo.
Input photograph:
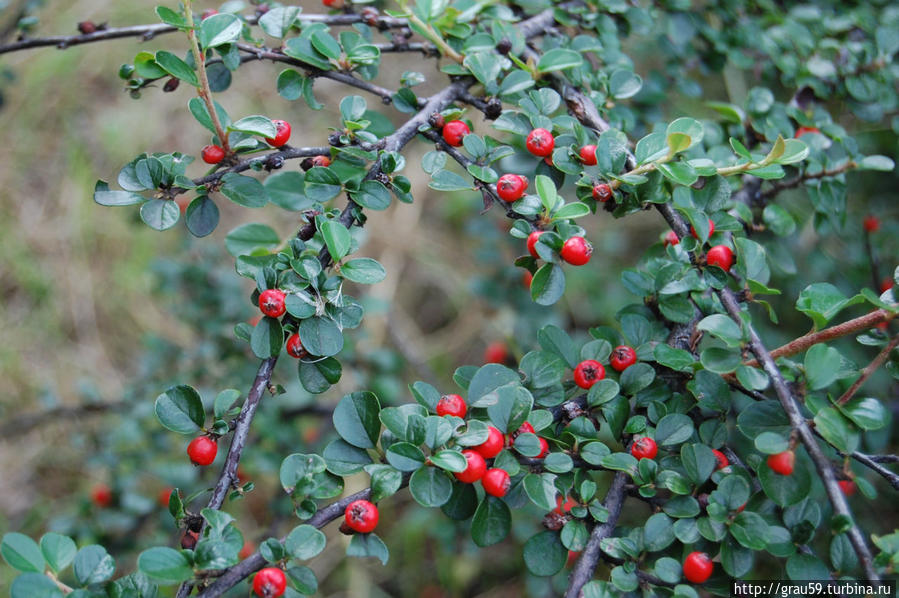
(203, 90)
(803, 343)
(866, 373)
(873, 462)
(799, 179)
(22, 424)
(585, 566)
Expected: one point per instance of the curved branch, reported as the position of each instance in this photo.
(868, 371)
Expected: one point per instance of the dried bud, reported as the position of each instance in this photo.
(274, 162)
(194, 523)
(436, 120)
(703, 500)
(493, 109)
(306, 164)
(346, 529)
(554, 521)
(86, 27)
(323, 161)
(171, 84)
(370, 16)
(334, 139)
(189, 540)
(504, 46)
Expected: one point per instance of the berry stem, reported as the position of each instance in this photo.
(203, 90)
(870, 369)
(62, 587)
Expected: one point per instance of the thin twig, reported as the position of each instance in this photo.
(797, 180)
(203, 90)
(21, 424)
(870, 369)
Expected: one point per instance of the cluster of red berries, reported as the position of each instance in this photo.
(213, 154)
(589, 372)
(576, 250)
(272, 304)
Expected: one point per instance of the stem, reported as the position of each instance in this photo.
(866, 373)
(203, 90)
(428, 32)
(62, 587)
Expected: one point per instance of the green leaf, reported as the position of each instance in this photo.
(794, 151)
(677, 142)
(658, 532)
(678, 172)
(405, 456)
(750, 530)
(305, 542)
(267, 338)
(881, 163)
(321, 336)
(322, 184)
(722, 327)
(165, 565)
(447, 180)
(699, 462)
(866, 413)
(821, 301)
(328, 46)
(548, 284)
(278, 21)
(373, 195)
(822, 366)
(836, 429)
(430, 487)
(337, 238)
(785, 490)
(93, 565)
(572, 210)
(202, 216)
(541, 489)
(624, 84)
(160, 214)
(248, 238)
(720, 360)
(22, 553)
(170, 17)
(180, 410)
(177, 67)
(243, 190)
(344, 459)
(368, 545)
(255, 125)
(674, 428)
(58, 550)
(219, 29)
(363, 270)
(559, 59)
(317, 377)
(145, 66)
(807, 567)
(105, 197)
(356, 419)
(201, 113)
(492, 521)
(487, 381)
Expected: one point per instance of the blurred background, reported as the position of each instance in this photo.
(99, 314)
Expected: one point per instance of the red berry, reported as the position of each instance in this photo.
(333, 3)
(721, 458)
(711, 229)
(271, 302)
(526, 427)
(885, 285)
(623, 357)
(323, 161)
(361, 516)
(189, 540)
(295, 346)
(871, 223)
(528, 278)
(510, 187)
(803, 130)
(246, 550)
(532, 242)
(671, 238)
(452, 405)
(101, 494)
(572, 558)
(493, 445)
(544, 447)
(496, 352)
(602, 192)
(475, 469)
(163, 497)
(782, 463)
(212, 154)
(565, 506)
(588, 372)
(848, 487)
(644, 448)
(698, 567)
(269, 583)
(202, 450)
(743, 506)
(588, 155)
(540, 142)
(454, 131)
(721, 256)
(577, 251)
(282, 133)
(496, 482)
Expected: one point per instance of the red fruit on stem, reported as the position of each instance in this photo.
(871, 223)
(333, 3)
(698, 567)
(475, 469)
(270, 583)
(721, 256)
(588, 155)
(623, 357)
(782, 463)
(282, 133)
(532, 242)
(588, 372)
(671, 238)
(212, 154)
(361, 516)
(565, 506)
(202, 450)
(510, 187)
(295, 346)
(493, 445)
(540, 142)
(271, 302)
(644, 448)
(101, 495)
(527, 279)
(602, 192)
(803, 130)
(454, 131)
(323, 161)
(711, 230)
(576, 251)
(526, 427)
(544, 447)
(721, 458)
(496, 482)
(452, 405)
(496, 352)
(885, 285)
(847, 487)
(163, 497)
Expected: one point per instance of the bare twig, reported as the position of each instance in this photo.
(870, 369)
(799, 179)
